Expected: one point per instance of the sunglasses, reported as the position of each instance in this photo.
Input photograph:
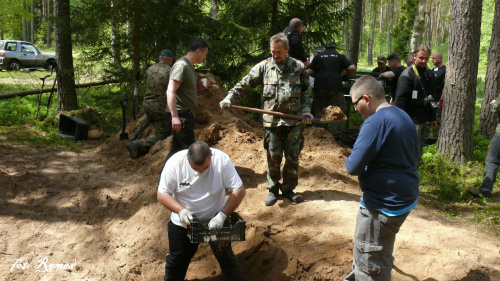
(355, 104)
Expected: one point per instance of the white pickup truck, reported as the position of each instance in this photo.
(16, 55)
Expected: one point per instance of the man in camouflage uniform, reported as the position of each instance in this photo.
(286, 89)
(155, 105)
(492, 161)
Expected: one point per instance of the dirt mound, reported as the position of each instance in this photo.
(96, 212)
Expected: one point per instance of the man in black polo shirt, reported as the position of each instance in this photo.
(326, 68)
(393, 75)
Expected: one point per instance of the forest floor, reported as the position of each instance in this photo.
(93, 214)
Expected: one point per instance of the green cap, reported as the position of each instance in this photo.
(166, 53)
(319, 49)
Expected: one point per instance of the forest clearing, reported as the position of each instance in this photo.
(96, 209)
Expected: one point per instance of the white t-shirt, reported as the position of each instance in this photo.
(204, 194)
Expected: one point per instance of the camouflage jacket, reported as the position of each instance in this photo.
(287, 90)
(156, 83)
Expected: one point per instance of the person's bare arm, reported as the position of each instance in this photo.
(169, 202)
(173, 85)
(234, 201)
(387, 75)
(351, 69)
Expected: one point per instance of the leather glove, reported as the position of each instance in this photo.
(217, 222)
(225, 103)
(308, 117)
(186, 216)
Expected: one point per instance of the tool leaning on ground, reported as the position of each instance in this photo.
(123, 104)
(41, 93)
(284, 115)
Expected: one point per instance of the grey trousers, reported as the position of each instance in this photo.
(491, 167)
(373, 245)
(422, 134)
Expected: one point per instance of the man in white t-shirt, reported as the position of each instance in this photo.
(193, 183)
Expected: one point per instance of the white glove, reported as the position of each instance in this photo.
(186, 216)
(225, 103)
(308, 117)
(217, 222)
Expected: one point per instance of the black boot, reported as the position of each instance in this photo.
(292, 196)
(137, 149)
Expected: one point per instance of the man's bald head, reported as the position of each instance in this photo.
(437, 59)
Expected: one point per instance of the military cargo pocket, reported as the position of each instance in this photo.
(369, 257)
(269, 88)
(267, 137)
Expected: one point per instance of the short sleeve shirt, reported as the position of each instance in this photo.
(186, 95)
(204, 195)
(327, 67)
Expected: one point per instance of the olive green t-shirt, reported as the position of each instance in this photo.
(186, 95)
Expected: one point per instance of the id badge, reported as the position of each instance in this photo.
(414, 95)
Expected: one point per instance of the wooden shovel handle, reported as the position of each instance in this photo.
(261, 111)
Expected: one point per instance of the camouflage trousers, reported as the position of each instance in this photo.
(323, 98)
(279, 141)
(155, 113)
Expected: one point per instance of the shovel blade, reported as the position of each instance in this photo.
(124, 136)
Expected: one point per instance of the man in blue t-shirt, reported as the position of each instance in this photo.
(385, 158)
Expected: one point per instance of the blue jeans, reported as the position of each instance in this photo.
(181, 251)
(491, 167)
(373, 245)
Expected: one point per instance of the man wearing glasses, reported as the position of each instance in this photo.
(385, 158)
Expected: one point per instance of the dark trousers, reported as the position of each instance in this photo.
(182, 251)
(185, 137)
(491, 167)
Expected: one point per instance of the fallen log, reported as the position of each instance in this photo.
(37, 91)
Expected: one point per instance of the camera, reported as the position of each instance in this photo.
(428, 99)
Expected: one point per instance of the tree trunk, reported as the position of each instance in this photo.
(32, 22)
(355, 32)
(64, 56)
(214, 10)
(345, 30)
(48, 23)
(369, 53)
(389, 27)
(136, 39)
(436, 24)
(115, 34)
(418, 26)
(459, 95)
(362, 26)
(487, 120)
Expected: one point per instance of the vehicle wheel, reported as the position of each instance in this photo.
(14, 65)
(50, 64)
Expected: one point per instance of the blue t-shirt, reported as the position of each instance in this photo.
(385, 158)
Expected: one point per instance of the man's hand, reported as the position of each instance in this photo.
(434, 125)
(186, 216)
(217, 222)
(176, 124)
(308, 117)
(493, 101)
(225, 103)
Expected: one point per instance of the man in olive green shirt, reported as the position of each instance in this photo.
(182, 95)
(155, 106)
